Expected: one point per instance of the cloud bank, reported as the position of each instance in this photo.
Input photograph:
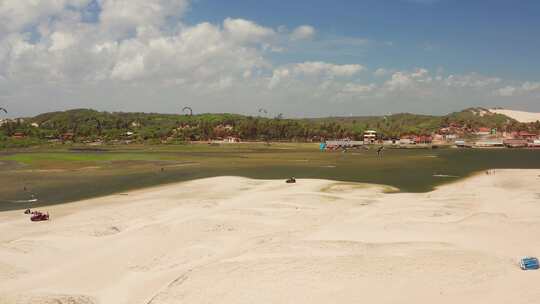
(139, 55)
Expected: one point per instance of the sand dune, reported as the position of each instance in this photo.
(520, 116)
(236, 240)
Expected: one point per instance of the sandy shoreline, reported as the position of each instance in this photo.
(236, 240)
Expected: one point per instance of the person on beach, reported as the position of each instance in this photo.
(379, 151)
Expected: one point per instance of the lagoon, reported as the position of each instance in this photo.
(56, 176)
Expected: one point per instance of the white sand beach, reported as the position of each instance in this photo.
(236, 240)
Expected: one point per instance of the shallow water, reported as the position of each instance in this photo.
(59, 177)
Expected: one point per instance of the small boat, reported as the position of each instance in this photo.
(39, 216)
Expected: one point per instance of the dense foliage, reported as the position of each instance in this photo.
(85, 125)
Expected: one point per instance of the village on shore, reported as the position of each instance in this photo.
(452, 136)
(470, 128)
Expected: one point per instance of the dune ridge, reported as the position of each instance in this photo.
(521, 116)
(236, 240)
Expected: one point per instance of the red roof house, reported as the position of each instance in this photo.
(527, 135)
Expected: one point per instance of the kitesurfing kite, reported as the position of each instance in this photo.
(189, 109)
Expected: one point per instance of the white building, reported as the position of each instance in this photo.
(370, 137)
(535, 143)
(489, 143)
(407, 141)
(231, 139)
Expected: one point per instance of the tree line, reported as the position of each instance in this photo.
(83, 125)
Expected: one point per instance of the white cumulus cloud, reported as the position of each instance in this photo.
(317, 68)
(17, 14)
(525, 88)
(357, 88)
(246, 31)
(303, 32)
(381, 72)
(140, 55)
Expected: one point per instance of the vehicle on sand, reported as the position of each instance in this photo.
(39, 216)
(291, 180)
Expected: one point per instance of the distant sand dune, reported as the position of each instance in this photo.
(520, 116)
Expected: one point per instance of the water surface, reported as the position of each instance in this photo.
(56, 177)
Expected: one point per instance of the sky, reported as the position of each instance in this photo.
(302, 58)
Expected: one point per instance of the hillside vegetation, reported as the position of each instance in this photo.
(86, 125)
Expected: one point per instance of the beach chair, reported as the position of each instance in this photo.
(529, 263)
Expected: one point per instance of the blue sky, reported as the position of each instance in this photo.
(299, 58)
(500, 37)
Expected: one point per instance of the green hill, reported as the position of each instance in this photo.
(84, 125)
